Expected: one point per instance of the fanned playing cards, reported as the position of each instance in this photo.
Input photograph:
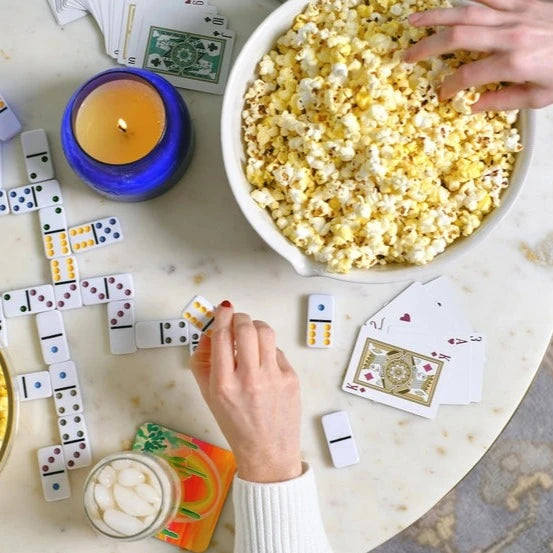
(417, 352)
(185, 41)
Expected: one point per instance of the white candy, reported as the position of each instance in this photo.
(147, 492)
(130, 477)
(154, 482)
(122, 522)
(121, 464)
(103, 497)
(132, 504)
(107, 477)
(148, 520)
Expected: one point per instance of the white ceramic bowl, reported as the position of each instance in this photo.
(243, 73)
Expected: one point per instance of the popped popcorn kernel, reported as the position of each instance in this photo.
(352, 153)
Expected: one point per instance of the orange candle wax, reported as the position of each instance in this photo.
(120, 121)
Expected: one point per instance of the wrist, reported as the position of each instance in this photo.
(265, 471)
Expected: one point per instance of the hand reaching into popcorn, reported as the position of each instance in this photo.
(517, 35)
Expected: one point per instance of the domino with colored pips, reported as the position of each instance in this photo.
(65, 388)
(121, 327)
(9, 124)
(74, 441)
(200, 314)
(55, 236)
(108, 288)
(3, 329)
(36, 152)
(4, 203)
(32, 197)
(34, 385)
(28, 301)
(55, 482)
(65, 279)
(320, 320)
(51, 332)
(195, 336)
(161, 334)
(339, 437)
(95, 234)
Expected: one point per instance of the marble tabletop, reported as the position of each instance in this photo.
(194, 239)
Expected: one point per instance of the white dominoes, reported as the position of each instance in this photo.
(55, 235)
(121, 327)
(9, 124)
(95, 234)
(51, 332)
(66, 389)
(34, 385)
(4, 203)
(34, 196)
(105, 289)
(195, 336)
(74, 441)
(159, 334)
(339, 437)
(55, 482)
(36, 152)
(28, 301)
(3, 329)
(320, 320)
(199, 313)
(65, 278)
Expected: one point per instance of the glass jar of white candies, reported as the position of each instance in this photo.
(130, 496)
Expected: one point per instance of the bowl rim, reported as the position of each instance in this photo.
(239, 79)
(13, 409)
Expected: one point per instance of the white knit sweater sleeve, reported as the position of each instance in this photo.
(279, 518)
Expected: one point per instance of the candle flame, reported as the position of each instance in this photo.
(122, 125)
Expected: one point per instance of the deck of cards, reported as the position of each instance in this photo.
(185, 41)
(417, 352)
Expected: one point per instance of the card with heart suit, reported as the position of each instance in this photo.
(429, 320)
(396, 370)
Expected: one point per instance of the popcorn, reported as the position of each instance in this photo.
(352, 152)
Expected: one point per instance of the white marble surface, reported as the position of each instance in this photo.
(194, 239)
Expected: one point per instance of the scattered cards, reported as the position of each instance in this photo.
(185, 41)
(418, 352)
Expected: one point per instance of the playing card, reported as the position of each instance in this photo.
(478, 362)
(395, 371)
(447, 297)
(136, 12)
(455, 385)
(414, 308)
(190, 53)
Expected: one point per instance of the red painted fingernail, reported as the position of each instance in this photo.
(226, 303)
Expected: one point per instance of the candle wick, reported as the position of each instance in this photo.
(122, 125)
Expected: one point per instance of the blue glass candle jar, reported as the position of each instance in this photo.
(120, 160)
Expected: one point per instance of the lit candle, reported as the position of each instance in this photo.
(120, 121)
(127, 133)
